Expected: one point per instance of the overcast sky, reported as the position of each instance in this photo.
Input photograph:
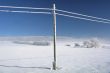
(17, 24)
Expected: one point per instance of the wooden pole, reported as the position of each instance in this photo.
(54, 37)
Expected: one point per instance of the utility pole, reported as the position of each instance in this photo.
(54, 36)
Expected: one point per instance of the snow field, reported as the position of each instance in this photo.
(22, 58)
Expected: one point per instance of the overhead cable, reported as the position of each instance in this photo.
(25, 12)
(82, 18)
(83, 15)
(25, 7)
(34, 12)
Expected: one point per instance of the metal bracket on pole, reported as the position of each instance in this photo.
(54, 37)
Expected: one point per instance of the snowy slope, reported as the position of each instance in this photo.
(25, 58)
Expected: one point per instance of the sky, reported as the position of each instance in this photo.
(20, 24)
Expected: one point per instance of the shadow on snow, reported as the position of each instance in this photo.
(24, 67)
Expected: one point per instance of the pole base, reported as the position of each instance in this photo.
(54, 65)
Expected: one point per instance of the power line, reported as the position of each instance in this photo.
(25, 7)
(48, 12)
(82, 18)
(83, 15)
(32, 12)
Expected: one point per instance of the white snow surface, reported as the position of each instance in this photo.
(25, 58)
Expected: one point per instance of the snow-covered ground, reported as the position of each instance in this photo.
(25, 58)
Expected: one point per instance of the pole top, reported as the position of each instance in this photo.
(54, 6)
